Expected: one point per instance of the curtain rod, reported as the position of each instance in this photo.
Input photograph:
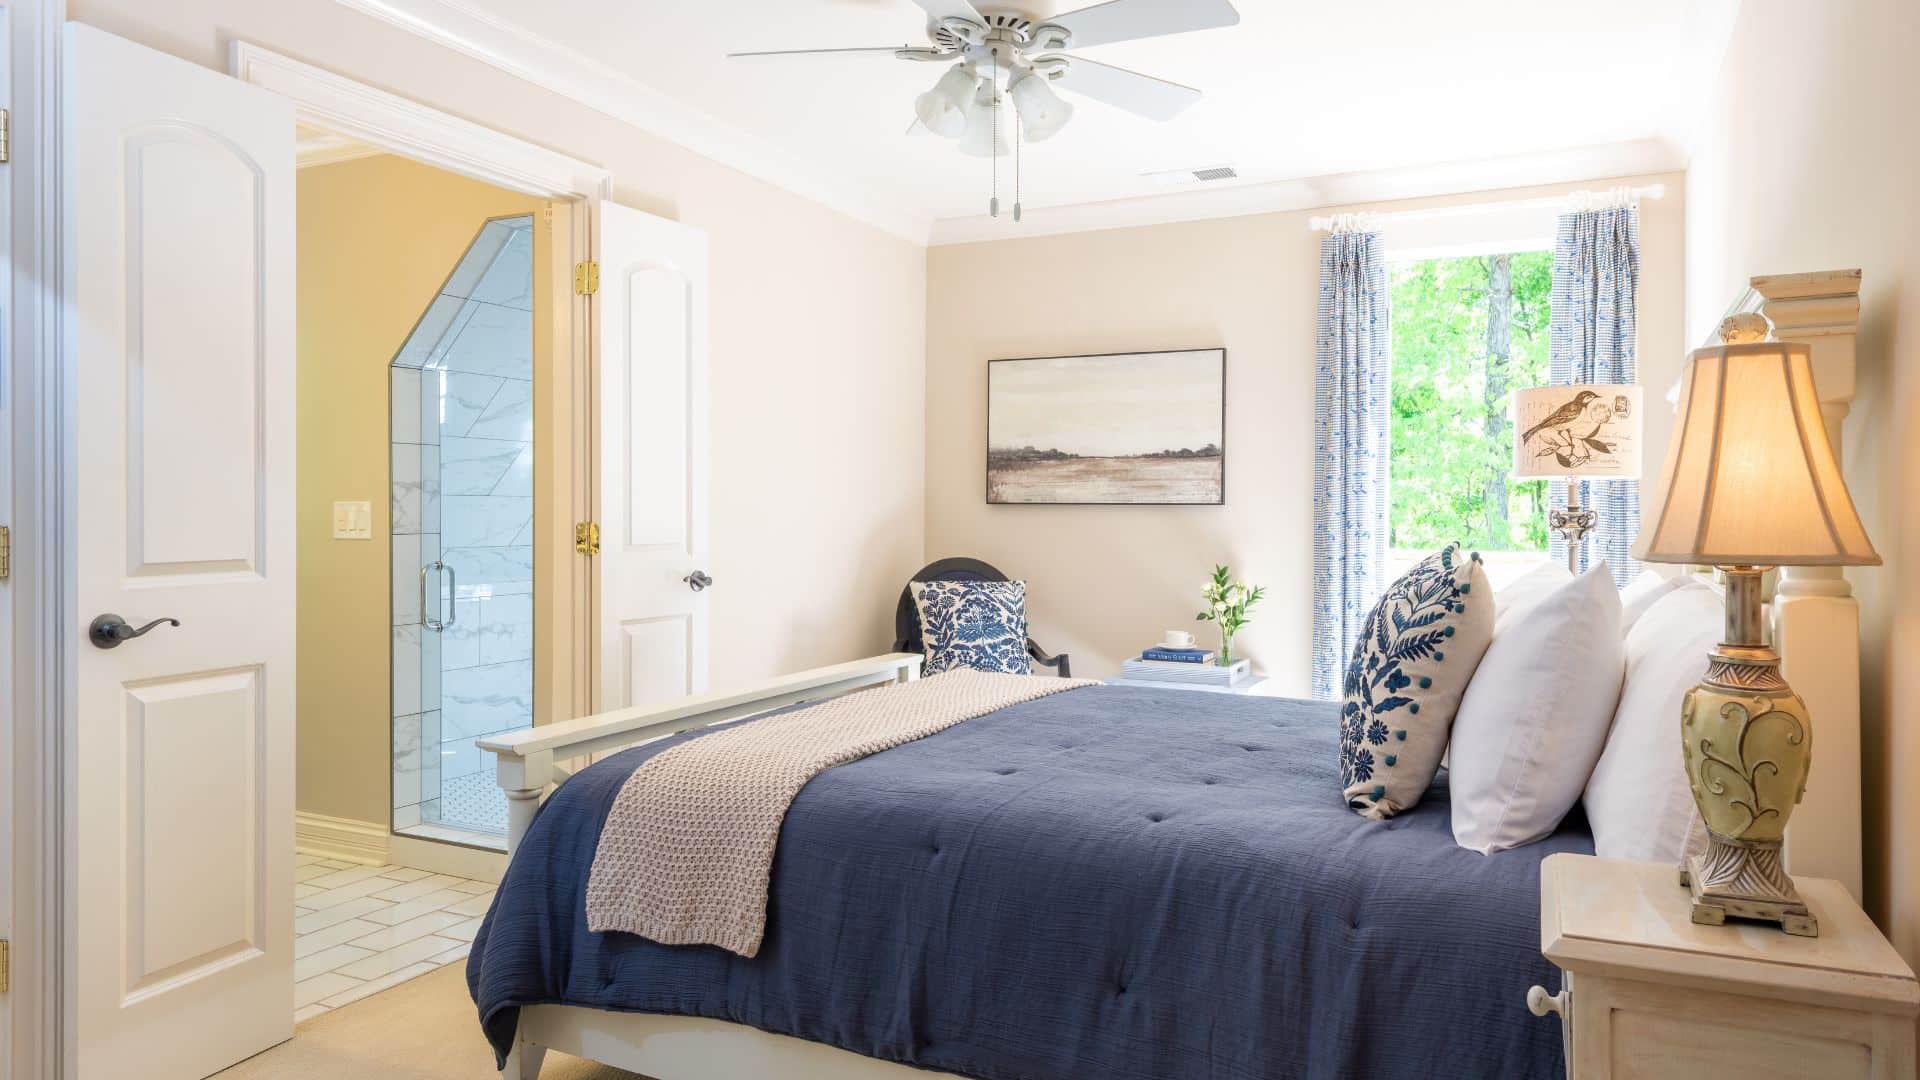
(1604, 199)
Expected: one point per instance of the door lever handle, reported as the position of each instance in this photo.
(697, 580)
(108, 631)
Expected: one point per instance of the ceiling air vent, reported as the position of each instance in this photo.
(1176, 177)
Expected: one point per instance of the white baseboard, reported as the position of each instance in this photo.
(346, 839)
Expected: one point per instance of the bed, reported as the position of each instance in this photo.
(1323, 944)
(1112, 881)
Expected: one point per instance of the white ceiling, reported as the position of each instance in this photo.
(1297, 90)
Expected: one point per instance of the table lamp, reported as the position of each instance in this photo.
(1751, 483)
(1589, 431)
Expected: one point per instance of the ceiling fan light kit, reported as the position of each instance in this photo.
(1042, 112)
(943, 109)
(1008, 54)
(982, 137)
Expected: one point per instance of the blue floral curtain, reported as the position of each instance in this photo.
(1596, 277)
(1351, 366)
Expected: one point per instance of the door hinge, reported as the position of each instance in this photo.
(586, 278)
(6, 553)
(6, 966)
(586, 537)
(6, 135)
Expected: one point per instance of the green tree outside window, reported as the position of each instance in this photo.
(1466, 332)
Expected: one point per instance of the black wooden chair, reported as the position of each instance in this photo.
(906, 618)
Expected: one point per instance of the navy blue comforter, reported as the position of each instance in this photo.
(1110, 882)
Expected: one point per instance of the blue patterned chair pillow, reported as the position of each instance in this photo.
(973, 624)
(1416, 653)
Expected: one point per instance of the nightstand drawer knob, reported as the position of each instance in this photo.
(1540, 1003)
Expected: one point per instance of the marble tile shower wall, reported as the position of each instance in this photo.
(463, 494)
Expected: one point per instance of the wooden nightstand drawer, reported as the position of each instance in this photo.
(1639, 1029)
(1651, 994)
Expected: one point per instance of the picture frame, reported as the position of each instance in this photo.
(1141, 428)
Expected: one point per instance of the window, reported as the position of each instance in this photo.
(1465, 332)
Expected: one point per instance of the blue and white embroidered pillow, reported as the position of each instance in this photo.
(973, 624)
(1416, 653)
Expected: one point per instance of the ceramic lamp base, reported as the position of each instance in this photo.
(1744, 879)
(1747, 744)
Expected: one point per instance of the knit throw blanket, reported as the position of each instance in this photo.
(686, 855)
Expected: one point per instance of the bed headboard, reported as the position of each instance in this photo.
(1815, 618)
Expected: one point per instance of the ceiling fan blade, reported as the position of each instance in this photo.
(1125, 20)
(1143, 95)
(943, 9)
(876, 50)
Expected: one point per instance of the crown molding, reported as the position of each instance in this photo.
(1313, 193)
(519, 52)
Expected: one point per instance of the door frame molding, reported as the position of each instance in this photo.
(41, 589)
(406, 127)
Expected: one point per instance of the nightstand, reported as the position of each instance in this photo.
(1256, 685)
(1646, 992)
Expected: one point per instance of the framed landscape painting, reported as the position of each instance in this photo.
(1143, 429)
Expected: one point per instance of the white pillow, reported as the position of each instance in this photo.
(1523, 592)
(1638, 801)
(1644, 591)
(1535, 716)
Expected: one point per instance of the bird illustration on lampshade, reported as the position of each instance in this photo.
(1590, 430)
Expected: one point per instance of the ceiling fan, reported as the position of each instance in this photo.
(1007, 55)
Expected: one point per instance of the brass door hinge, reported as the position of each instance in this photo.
(6, 553)
(586, 278)
(6, 964)
(586, 537)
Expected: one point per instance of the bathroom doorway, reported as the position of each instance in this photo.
(436, 412)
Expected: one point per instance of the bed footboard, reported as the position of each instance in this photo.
(528, 766)
(528, 762)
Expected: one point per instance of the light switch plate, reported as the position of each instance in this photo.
(353, 521)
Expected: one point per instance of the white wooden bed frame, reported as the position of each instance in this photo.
(1815, 623)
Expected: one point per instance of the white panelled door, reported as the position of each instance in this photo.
(178, 245)
(651, 488)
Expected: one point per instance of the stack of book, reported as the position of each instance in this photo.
(1161, 664)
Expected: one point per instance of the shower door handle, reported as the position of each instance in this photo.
(449, 608)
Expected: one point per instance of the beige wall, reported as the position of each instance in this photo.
(818, 334)
(376, 239)
(1105, 579)
(1809, 160)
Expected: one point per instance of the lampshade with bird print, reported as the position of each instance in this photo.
(1750, 478)
(1591, 431)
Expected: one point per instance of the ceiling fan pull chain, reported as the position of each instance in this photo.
(1016, 171)
(993, 87)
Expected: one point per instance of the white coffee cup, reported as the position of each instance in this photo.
(1177, 639)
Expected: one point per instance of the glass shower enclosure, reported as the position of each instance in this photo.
(462, 534)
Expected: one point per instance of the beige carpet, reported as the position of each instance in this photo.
(420, 1030)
